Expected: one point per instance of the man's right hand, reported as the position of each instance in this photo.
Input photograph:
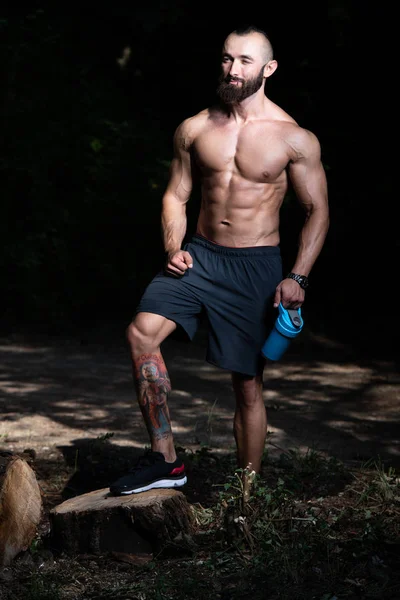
(178, 262)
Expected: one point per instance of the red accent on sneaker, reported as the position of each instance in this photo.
(178, 470)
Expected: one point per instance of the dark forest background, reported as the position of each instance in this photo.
(86, 145)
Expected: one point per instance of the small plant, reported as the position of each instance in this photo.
(41, 588)
(101, 439)
(210, 418)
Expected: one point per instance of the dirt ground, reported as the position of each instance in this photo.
(69, 401)
(57, 392)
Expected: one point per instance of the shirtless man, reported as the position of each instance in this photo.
(244, 149)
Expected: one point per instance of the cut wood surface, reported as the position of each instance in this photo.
(137, 524)
(20, 506)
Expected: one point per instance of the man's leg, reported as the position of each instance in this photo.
(250, 428)
(250, 421)
(151, 380)
(159, 467)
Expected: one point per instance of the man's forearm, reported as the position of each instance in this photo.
(312, 238)
(173, 224)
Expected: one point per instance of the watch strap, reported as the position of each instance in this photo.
(302, 280)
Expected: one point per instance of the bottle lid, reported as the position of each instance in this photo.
(289, 321)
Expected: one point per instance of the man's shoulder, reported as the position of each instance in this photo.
(195, 121)
(301, 140)
(192, 126)
(301, 136)
(291, 130)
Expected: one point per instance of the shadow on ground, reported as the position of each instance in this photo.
(94, 464)
(323, 395)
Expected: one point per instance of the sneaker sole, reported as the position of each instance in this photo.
(162, 483)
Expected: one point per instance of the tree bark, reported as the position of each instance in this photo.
(20, 506)
(134, 525)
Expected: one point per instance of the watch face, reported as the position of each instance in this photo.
(303, 281)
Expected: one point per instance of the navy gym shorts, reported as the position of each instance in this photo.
(234, 288)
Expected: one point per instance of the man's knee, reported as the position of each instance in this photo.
(147, 331)
(132, 334)
(248, 390)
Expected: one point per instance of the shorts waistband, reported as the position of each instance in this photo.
(199, 240)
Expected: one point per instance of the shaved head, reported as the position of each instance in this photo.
(267, 51)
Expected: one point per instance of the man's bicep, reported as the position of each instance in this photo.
(180, 175)
(308, 177)
(180, 178)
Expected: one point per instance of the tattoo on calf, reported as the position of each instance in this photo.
(153, 386)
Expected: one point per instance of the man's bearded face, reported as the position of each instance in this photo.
(230, 93)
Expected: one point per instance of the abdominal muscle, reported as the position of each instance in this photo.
(242, 216)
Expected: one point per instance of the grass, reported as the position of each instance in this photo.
(312, 529)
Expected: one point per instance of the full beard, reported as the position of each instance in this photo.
(229, 94)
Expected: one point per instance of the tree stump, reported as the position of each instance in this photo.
(136, 525)
(20, 506)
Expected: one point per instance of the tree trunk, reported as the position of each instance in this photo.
(20, 506)
(134, 525)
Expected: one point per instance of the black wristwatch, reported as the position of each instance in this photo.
(302, 280)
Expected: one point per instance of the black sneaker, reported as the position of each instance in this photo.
(151, 471)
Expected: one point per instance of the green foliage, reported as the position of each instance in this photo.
(281, 545)
(309, 542)
(82, 177)
(86, 146)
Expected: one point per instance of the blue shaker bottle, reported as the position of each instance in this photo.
(288, 325)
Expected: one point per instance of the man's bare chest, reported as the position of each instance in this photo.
(255, 154)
